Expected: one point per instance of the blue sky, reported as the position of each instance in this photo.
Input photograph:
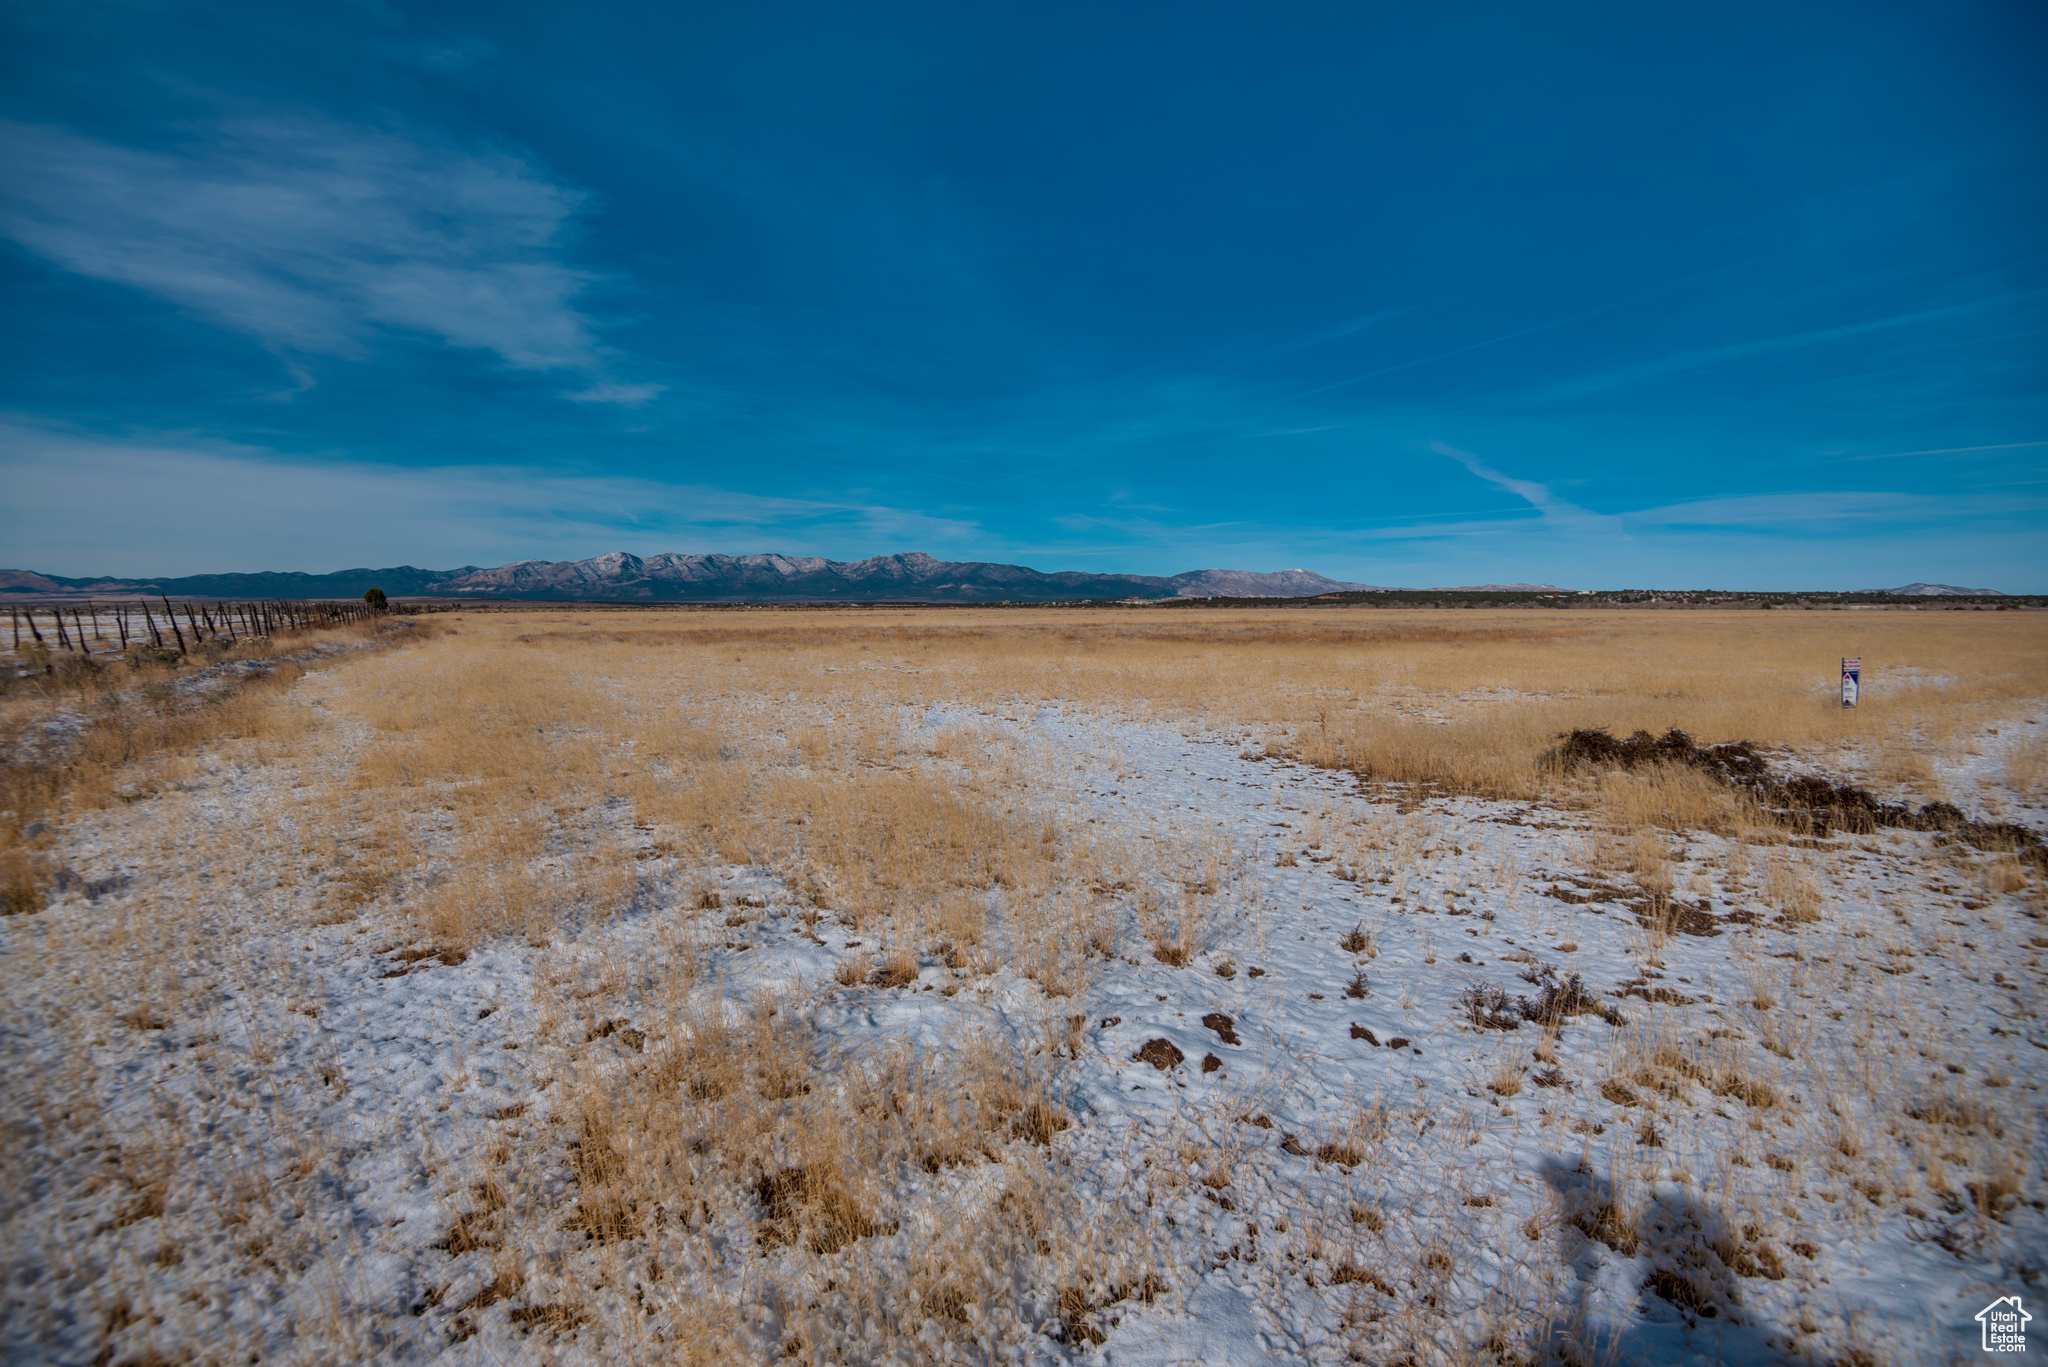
(1604, 295)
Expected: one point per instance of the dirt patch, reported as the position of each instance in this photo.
(447, 954)
(1680, 918)
(1577, 897)
(1348, 1275)
(556, 1319)
(1818, 804)
(1736, 762)
(811, 1202)
(1161, 1054)
(633, 1039)
(1664, 995)
(1224, 1026)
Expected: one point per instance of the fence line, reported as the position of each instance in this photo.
(135, 622)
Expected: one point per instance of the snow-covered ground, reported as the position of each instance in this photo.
(1749, 1139)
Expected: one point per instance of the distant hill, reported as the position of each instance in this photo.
(712, 578)
(396, 581)
(1248, 584)
(1502, 588)
(1936, 591)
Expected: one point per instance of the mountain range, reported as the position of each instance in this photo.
(675, 578)
(713, 578)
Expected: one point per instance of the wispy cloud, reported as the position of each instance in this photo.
(1837, 510)
(1483, 343)
(1949, 450)
(1705, 358)
(1349, 328)
(79, 503)
(314, 238)
(627, 395)
(1558, 512)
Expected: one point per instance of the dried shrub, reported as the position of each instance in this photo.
(1788, 888)
(899, 969)
(1489, 1008)
(1343, 1154)
(1561, 999)
(1956, 1111)
(1749, 1257)
(1349, 1274)
(1750, 1092)
(1619, 1092)
(1042, 1120)
(556, 1318)
(811, 1205)
(25, 878)
(1681, 1289)
(1608, 1223)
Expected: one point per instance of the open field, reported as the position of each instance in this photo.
(1124, 986)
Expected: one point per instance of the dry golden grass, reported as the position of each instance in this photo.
(99, 732)
(1469, 699)
(524, 775)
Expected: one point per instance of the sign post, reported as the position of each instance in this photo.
(1852, 680)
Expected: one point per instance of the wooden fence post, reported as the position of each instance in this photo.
(173, 616)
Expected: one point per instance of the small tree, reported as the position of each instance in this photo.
(375, 598)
